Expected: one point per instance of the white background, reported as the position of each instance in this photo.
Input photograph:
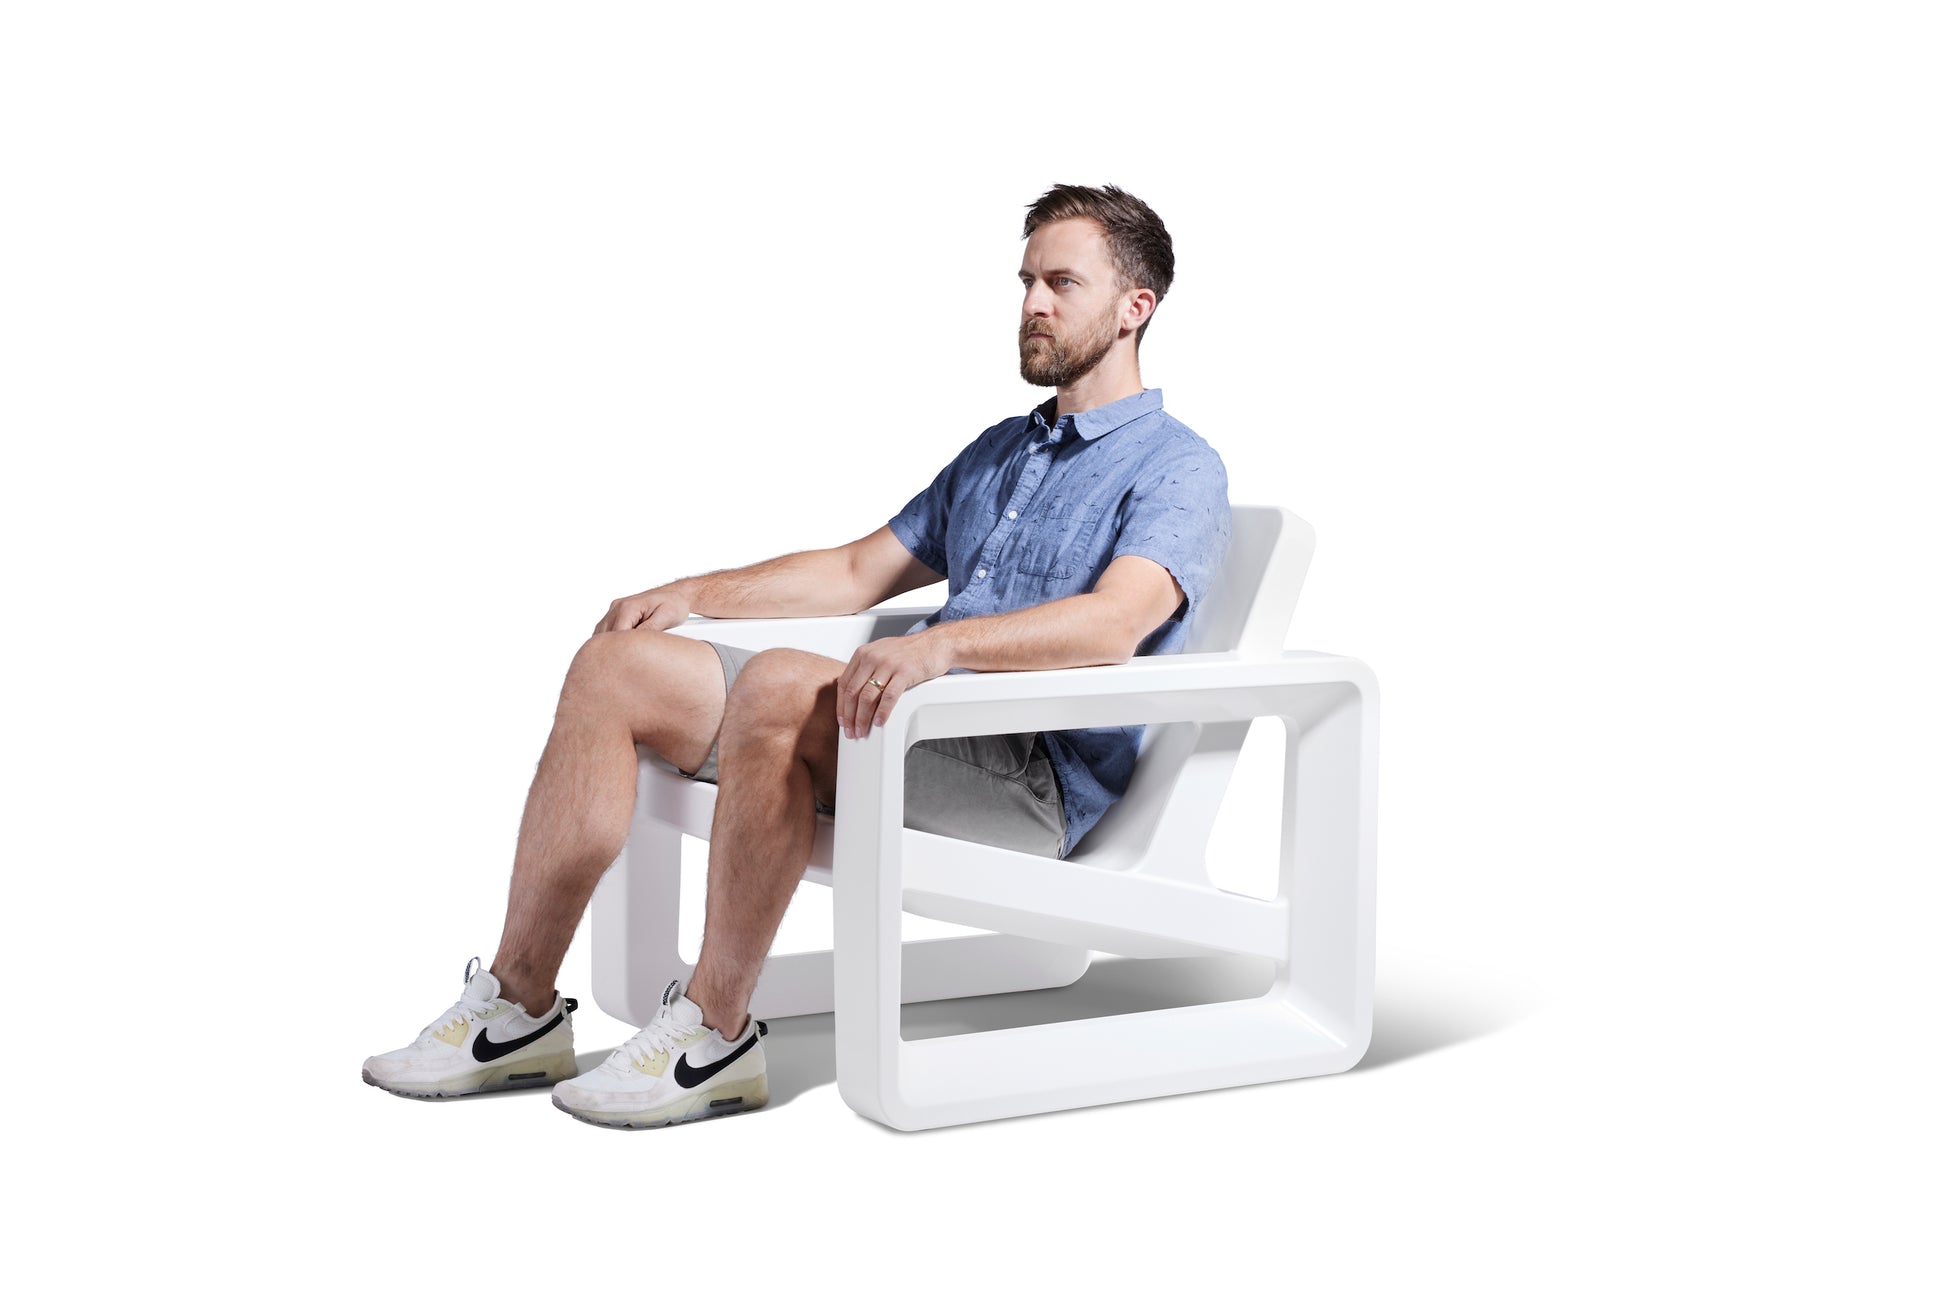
(356, 356)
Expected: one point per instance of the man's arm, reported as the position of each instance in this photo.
(882, 568)
(814, 583)
(1133, 597)
(809, 583)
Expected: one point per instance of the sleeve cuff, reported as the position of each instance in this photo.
(916, 544)
(1188, 602)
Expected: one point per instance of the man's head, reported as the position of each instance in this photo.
(1097, 265)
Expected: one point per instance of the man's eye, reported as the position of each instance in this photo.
(1062, 279)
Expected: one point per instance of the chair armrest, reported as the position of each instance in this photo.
(834, 637)
(1155, 688)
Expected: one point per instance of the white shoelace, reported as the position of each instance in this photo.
(662, 1033)
(464, 1008)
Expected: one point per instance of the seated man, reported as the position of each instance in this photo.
(1081, 533)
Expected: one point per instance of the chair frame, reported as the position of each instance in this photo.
(1137, 886)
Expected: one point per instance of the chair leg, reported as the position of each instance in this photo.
(634, 918)
(1326, 866)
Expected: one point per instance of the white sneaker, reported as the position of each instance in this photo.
(636, 1087)
(483, 1043)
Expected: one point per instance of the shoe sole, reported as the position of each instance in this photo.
(719, 1102)
(518, 1076)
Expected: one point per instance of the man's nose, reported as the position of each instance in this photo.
(1040, 300)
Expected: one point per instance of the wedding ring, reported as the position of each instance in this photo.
(877, 682)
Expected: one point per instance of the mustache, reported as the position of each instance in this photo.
(1034, 327)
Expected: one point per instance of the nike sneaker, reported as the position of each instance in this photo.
(673, 1070)
(483, 1043)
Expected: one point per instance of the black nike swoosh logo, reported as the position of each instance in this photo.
(486, 1049)
(687, 1077)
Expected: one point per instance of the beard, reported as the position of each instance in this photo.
(1055, 362)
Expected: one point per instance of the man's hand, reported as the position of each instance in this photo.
(898, 663)
(652, 610)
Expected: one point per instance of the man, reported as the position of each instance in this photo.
(1082, 533)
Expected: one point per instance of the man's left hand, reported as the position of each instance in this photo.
(898, 663)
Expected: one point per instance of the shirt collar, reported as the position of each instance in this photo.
(1103, 419)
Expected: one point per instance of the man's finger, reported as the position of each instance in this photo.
(879, 708)
(852, 704)
(866, 704)
(852, 692)
(844, 690)
(888, 700)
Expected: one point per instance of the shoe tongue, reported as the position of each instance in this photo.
(684, 1012)
(483, 986)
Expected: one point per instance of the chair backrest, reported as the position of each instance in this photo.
(1163, 822)
(1249, 609)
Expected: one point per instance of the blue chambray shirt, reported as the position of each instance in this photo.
(1031, 512)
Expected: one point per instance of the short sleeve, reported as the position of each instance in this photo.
(1179, 516)
(921, 525)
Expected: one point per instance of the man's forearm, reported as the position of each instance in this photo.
(810, 583)
(1079, 631)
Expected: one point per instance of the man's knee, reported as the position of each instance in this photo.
(609, 661)
(778, 692)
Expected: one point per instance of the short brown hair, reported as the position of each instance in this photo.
(1137, 240)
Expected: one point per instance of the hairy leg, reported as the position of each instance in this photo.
(623, 688)
(779, 749)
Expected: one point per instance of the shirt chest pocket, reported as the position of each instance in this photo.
(1060, 543)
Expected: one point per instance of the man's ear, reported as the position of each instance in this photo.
(1141, 305)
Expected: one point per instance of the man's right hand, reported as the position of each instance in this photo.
(652, 610)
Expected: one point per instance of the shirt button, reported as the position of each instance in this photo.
(981, 573)
(1013, 513)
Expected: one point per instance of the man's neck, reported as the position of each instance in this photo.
(1103, 385)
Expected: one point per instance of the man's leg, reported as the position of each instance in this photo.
(623, 688)
(778, 749)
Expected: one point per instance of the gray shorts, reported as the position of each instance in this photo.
(997, 789)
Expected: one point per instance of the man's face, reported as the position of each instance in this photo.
(1072, 311)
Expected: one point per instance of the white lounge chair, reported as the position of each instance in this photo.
(1136, 886)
